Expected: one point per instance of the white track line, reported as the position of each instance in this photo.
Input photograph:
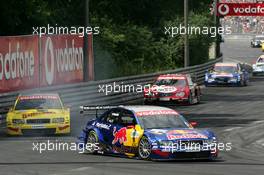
(231, 129)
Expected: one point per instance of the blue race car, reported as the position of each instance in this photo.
(227, 74)
(148, 133)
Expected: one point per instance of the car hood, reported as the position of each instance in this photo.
(167, 89)
(179, 134)
(38, 113)
(222, 74)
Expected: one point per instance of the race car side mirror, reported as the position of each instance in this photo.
(193, 124)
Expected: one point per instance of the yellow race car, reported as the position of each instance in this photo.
(38, 114)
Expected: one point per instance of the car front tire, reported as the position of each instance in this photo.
(92, 139)
(144, 149)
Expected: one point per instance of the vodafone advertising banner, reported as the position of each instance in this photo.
(61, 59)
(28, 62)
(19, 63)
(240, 9)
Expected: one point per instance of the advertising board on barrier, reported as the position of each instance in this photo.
(240, 9)
(28, 62)
(61, 59)
(19, 63)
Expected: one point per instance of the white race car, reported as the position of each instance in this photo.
(258, 67)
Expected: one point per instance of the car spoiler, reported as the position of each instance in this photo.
(95, 109)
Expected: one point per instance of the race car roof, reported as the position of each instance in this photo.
(226, 64)
(141, 108)
(164, 76)
(35, 94)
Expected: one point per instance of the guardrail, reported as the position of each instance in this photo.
(87, 93)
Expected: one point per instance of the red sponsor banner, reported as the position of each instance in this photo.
(61, 59)
(240, 9)
(18, 63)
(58, 60)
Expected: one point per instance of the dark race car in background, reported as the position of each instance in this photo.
(147, 132)
(227, 74)
(173, 87)
(257, 41)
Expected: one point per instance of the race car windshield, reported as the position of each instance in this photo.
(24, 104)
(162, 121)
(227, 69)
(260, 60)
(170, 82)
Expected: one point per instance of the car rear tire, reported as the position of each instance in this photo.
(241, 83)
(144, 148)
(92, 139)
(198, 98)
(190, 100)
(246, 82)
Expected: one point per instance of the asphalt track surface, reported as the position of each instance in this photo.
(236, 114)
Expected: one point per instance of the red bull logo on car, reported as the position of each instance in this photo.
(119, 136)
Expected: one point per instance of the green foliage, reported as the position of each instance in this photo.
(131, 31)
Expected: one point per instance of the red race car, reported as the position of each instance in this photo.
(173, 87)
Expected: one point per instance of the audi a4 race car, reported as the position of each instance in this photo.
(147, 132)
(227, 74)
(173, 87)
(258, 67)
(38, 114)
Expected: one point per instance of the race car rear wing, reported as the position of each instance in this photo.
(93, 110)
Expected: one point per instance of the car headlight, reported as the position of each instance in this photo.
(149, 93)
(238, 78)
(206, 77)
(180, 94)
(18, 121)
(233, 79)
(58, 120)
(210, 141)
